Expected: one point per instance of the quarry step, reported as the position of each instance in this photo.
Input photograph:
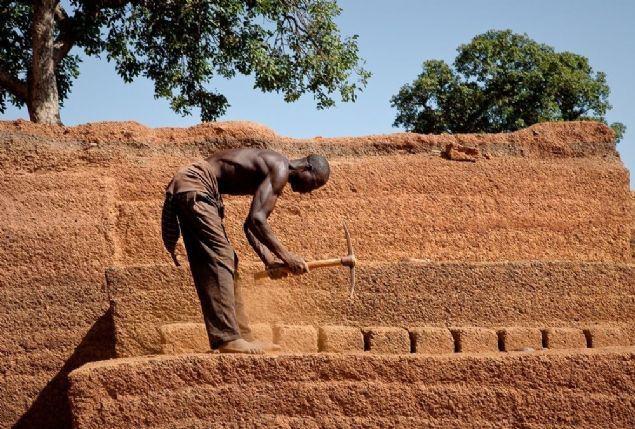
(530, 294)
(183, 338)
(319, 422)
(589, 388)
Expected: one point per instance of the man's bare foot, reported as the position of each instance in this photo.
(241, 346)
(267, 346)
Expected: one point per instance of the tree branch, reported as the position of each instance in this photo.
(68, 37)
(60, 14)
(301, 27)
(14, 85)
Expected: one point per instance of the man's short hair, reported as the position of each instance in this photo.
(320, 166)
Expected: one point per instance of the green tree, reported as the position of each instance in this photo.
(502, 81)
(291, 47)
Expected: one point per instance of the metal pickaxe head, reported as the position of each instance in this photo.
(349, 260)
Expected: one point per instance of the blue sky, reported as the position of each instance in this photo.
(395, 36)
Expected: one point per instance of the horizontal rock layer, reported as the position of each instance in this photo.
(110, 141)
(531, 294)
(544, 389)
(419, 206)
(183, 338)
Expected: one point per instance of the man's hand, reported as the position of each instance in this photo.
(296, 264)
(176, 261)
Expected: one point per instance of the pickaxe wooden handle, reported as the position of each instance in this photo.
(346, 261)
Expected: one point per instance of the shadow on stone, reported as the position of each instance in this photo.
(51, 408)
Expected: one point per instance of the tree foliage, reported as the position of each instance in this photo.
(502, 81)
(290, 47)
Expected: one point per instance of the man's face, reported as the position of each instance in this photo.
(305, 182)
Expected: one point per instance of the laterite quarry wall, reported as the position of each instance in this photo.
(77, 200)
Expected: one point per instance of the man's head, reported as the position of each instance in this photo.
(308, 173)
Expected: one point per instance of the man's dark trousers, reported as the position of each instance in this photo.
(214, 266)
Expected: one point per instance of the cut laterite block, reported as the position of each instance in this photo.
(516, 339)
(564, 338)
(340, 339)
(605, 336)
(475, 339)
(179, 338)
(386, 340)
(296, 338)
(432, 340)
(262, 331)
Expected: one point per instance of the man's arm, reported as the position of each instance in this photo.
(262, 205)
(265, 255)
(261, 250)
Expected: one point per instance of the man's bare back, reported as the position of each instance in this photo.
(264, 173)
(241, 171)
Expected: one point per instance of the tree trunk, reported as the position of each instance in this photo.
(43, 102)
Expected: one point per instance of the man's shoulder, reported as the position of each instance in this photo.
(274, 161)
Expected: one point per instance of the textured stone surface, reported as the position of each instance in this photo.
(475, 339)
(78, 199)
(55, 242)
(262, 331)
(177, 338)
(517, 338)
(564, 338)
(605, 336)
(432, 340)
(586, 388)
(386, 340)
(487, 222)
(296, 338)
(340, 339)
(535, 294)
(144, 299)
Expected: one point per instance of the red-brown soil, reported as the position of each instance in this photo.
(557, 138)
(77, 200)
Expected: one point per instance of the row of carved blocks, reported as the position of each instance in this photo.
(191, 337)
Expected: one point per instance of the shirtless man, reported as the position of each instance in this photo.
(194, 198)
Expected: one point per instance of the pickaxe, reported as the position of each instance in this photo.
(346, 261)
